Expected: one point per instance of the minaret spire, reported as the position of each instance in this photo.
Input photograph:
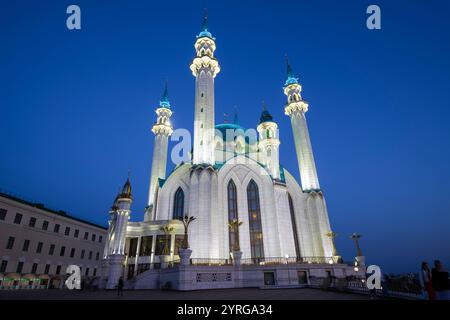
(162, 130)
(296, 108)
(204, 68)
(165, 97)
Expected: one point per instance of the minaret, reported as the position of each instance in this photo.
(204, 68)
(118, 229)
(296, 108)
(162, 130)
(268, 143)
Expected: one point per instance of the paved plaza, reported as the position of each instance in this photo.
(219, 294)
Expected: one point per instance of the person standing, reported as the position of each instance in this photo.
(440, 281)
(426, 279)
(120, 287)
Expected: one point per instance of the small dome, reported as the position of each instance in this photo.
(265, 117)
(126, 190)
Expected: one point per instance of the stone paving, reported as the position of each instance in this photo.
(218, 294)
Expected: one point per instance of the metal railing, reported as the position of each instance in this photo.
(210, 262)
(289, 260)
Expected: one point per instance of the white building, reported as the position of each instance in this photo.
(37, 244)
(230, 178)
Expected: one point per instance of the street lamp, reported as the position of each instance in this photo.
(234, 226)
(355, 237)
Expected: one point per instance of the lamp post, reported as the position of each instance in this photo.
(234, 226)
(167, 231)
(186, 220)
(355, 237)
(237, 253)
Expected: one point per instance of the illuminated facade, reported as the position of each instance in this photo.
(232, 178)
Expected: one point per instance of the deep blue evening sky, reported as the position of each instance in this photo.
(77, 106)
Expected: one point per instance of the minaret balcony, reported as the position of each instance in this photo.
(205, 62)
(162, 129)
(295, 108)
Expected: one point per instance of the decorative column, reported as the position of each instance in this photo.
(162, 130)
(184, 251)
(116, 256)
(204, 67)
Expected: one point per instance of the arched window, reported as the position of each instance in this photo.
(178, 204)
(254, 218)
(294, 226)
(232, 214)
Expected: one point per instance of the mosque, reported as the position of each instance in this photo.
(231, 216)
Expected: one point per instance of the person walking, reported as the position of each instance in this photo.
(440, 281)
(426, 281)
(120, 287)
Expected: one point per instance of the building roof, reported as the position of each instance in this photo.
(41, 206)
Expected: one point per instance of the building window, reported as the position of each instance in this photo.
(25, 246)
(19, 267)
(39, 247)
(294, 226)
(76, 233)
(58, 269)
(254, 218)
(32, 222)
(51, 250)
(62, 251)
(161, 243)
(10, 243)
(3, 266)
(56, 228)
(34, 268)
(133, 247)
(82, 254)
(95, 272)
(233, 237)
(86, 235)
(18, 218)
(3, 214)
(90, 255)
(47, 269)
(178, 204)
(67, 231)
(97, 256)
(93, 237)
(87, 272)
(146, 246)
(100, 239)
(72, 252)
(45, 225)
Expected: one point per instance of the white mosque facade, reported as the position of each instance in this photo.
(250, 212)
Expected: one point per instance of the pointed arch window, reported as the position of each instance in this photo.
(232, 214)
(254, 218)
(178, 204)
(294, 227)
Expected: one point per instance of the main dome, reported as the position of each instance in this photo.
(231, 129)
